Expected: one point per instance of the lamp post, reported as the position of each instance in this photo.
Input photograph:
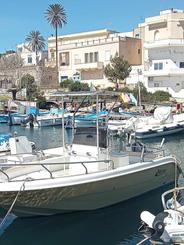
(139, 72)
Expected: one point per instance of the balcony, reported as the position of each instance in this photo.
(164, 43)
(169, 72)
(63, 45)
(50, 63)
(89, 66)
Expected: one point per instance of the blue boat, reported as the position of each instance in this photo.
(89, 119)
(4, 118)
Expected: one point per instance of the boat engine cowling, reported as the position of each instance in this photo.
(167, 226)
(154, 226)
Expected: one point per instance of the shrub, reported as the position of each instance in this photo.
(161, 95)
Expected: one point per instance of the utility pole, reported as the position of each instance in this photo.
(139, 72)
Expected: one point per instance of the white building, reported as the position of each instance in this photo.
(163, 51)
(83, 56)
(29, 57)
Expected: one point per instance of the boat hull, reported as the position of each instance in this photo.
(89, 195)
(154, 133)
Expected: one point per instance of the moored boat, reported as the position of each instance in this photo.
(80, 177)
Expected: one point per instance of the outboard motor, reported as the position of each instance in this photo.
(29, 119)
(166, 227)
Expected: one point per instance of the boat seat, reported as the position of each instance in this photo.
(22, 158)
(20, 145)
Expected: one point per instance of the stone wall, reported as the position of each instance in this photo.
(45, 77)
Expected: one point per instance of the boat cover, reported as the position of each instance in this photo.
(163, 114)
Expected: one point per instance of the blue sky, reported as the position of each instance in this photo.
(19, 17)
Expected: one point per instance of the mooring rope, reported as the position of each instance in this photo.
(12, 205)
(142, 241)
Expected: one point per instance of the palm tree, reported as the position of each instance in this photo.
(56, 16)
(35, 41)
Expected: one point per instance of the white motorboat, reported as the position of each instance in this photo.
(167, 226)
(161, 124)
(80, 177)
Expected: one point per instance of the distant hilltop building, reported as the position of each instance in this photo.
(30, 57)
(83, 56)
(14, 65)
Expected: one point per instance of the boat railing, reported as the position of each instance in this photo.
(26, 169)
(145, 153)
(172, 193)
(152, 152)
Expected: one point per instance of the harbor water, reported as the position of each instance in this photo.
(115, 225)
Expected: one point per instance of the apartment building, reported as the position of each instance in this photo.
(163, 51)
(83, 56)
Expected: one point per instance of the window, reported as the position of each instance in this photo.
(107, 55)
(64, 59)
(156, 85)
(158, 66)
(96, 57)
(20, 50)
(150, 78)
(181, 64)
(91, 57)
(77, 59)
(52, 55)
(86, 58)
(137, 35)
(29, 59)
(63, 78)
(156, 35)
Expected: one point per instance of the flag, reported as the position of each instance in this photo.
(133, 99)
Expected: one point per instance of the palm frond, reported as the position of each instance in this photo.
(56, 15)
(35, 41)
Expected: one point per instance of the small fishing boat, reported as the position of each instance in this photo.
(167, 227)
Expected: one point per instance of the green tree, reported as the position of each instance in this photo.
(56, 16)
(66, 84)
(28, 82)
(35, 41)
(117, 70)
(78, 86)
(161, 96)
